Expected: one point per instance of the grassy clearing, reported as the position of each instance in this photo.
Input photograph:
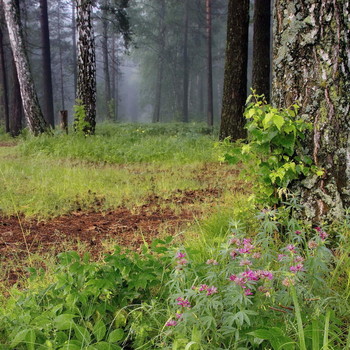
(121, 166)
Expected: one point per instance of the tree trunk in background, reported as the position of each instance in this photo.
(46, 59)
(32, 111)
(75, 49)
(311, 68)
(261, 48)
(210, 113)
(16, 104)
(60, 53)
(115, 72)
(4, 85)
(86, 83)
(235, 79)
(185, 66)
(107, 79)
(160, 66)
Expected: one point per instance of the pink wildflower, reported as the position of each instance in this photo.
(233, 254)
(297, 268)
(245, 262)
(171, 323)
(288, 282)
(183, 302)
(281, 257)
(250, 275)
(178, 315)
(235, 241)
(256, 255)
(212, 290)
(297, 232)
(248, 292)
(212, 262)
(265, 274)
(291, 248)
(180, 255)
(203, 287)
(312, 244)
(299, 259)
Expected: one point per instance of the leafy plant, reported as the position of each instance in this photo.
(80, 122)
(273, 151)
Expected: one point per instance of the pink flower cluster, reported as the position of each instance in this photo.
(212, 262)
(323, 235)
(183, 302)
(250, 276)
(180, 260)
(210, 290)
(243, 246)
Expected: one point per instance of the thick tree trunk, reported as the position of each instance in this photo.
(31, 107)
(235, 80)
(46, 57)
(261, 48)
(185, 66)
(4, 85)
(86, 84)
(210, 112)
(160, 65)
(312, 69)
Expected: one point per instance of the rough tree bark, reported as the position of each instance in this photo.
(46, 59)
(210, 113)
(31, 107)
(235, 76)
(160, 63)
(312, 68)
(261, 48)
(86, 83)
(16, 104)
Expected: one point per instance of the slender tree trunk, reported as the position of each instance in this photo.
(60, 52)
(261, 48)
(46, 57)
(210, 113)
(107, 79)
(235, 80)
(86, 84)
(115, 75)
(311, 68)
(16, 104)
(75, 49)
(185, 66)
(160, 63)
(32, 111)
(4, 84)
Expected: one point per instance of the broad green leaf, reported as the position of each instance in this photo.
(30, 339)
(116, 335)
(82, 334)
(64, 322)
(19, 338)
(278, 121)
(99, 330)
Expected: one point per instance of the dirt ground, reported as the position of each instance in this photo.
(99, 231)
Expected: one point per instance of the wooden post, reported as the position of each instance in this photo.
(63, 117)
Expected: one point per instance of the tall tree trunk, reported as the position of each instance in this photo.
(311, 68)
(261, 48)
(160, 63)
(4, 84)
(107, 79)
(46, 57)
(115, 76)
(235, 80)
(32, 111)
(86, 84)
(185, 66)
(60, 53)
(210, 112)
(16, 104)
(75, 49)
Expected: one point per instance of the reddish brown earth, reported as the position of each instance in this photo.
(98, 232)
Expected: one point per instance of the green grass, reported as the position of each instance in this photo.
(120, 166)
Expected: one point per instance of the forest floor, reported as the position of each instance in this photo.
(98, 231)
